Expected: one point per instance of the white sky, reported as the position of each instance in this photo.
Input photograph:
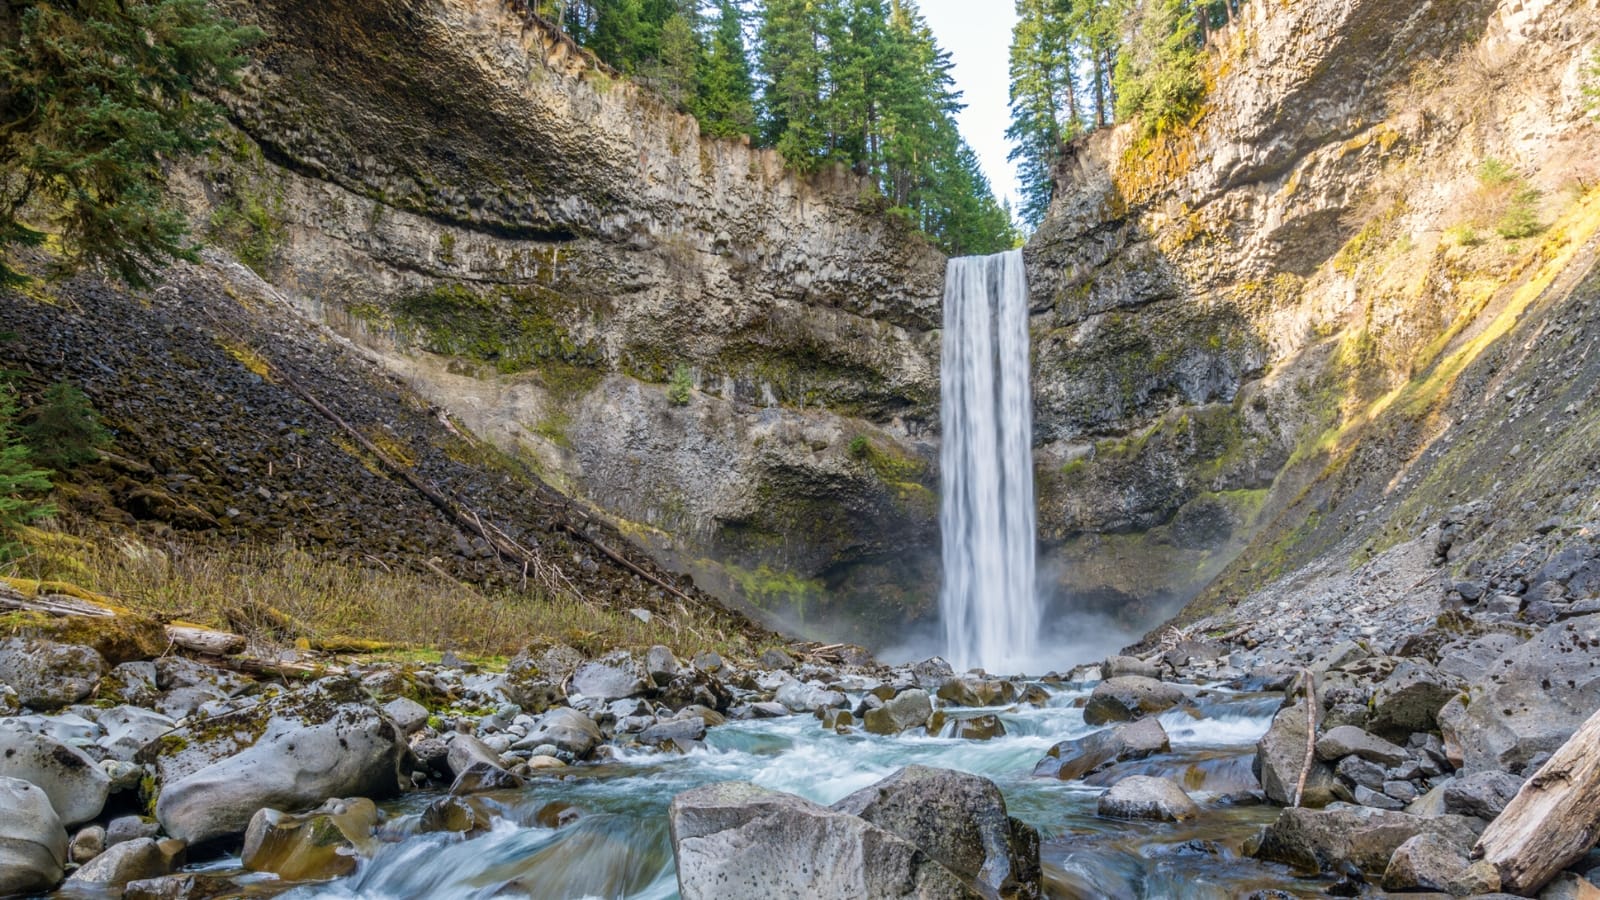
(978, 35)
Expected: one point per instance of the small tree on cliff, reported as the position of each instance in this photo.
(96, 96)
(21, 483)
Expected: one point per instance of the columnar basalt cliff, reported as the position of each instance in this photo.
(556, 256)
(1295, 324)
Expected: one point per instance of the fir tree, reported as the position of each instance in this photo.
(63, 430)
(21, 483)
(1158, 73)
(94, 96)
(725, 105)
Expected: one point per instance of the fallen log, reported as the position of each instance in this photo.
(1553, 821)
(206, 641)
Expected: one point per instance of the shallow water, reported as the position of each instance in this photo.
(621, 847)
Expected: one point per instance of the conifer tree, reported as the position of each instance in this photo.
(63, 430)
(95, 95)
(1158, 72)
(725, 105)
(21, 482)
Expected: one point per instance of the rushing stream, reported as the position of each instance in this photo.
(620, 847)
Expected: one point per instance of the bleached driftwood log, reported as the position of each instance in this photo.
(1553, 820)
(205, 640)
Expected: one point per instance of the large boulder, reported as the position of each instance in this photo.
(801, 697)
(967, 690)
(738, 841)
(33, 845)
(77, 788)
(305, 753)
(1129, 697)
(908, 709)
(1281, 755)
(1323, 840)
(1431, 862)
(47, 675)
(1531, 701)
(1077, 758)
(961, 821)
(570, 731)
(1409, 700)
(1146, 797)
(612, 677)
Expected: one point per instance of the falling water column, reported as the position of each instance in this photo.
(989, 606)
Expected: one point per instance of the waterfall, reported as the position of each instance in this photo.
(988, 603)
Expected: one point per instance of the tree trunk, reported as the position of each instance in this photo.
(1553, 820)
(205, 640)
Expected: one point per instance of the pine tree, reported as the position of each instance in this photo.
(725, 105)
(94, 96)
(677, 70)
(791, 58)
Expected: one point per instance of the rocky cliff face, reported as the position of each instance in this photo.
(1262, 330)
(555, 256)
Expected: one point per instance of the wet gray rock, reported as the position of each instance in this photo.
(47, 675)
(1146, 797)
(349, 750)
(1375, 798)
(661, 665)
(1077, 758)
(89, 842)
(971, 691)
(128, 729)
(930, 673)
(1533, 699)
(1344, 740)
(570, 731)
(1481, 794)
(1409, 700)
(131, 861)
(1321, 840)
(77, 788)
(33, 844)
(1281, 754)
(737, 841)
(777, 658)
(1129, 697)
(961, 821)
(467, 751)
(800, 697)
(678, 732)
(612, 677)
(1117, 666)
(483, 777)
(408, 715)
(133, 683)
(128, 828)
(907, 709)
(1431, 862)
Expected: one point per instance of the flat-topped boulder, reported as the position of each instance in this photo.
(1129, 697)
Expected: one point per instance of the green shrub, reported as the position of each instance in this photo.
(21, 484)
(64, 430)
(680, 386)
(859, 448)
(1494, 173)
(1521, 218)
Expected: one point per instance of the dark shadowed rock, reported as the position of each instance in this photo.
(1481, 794)
(1409, 700)
(1320, 840)
(1077, 758)
(1146, 797)
(1129, 697)
(960, 820)
(737, 841)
